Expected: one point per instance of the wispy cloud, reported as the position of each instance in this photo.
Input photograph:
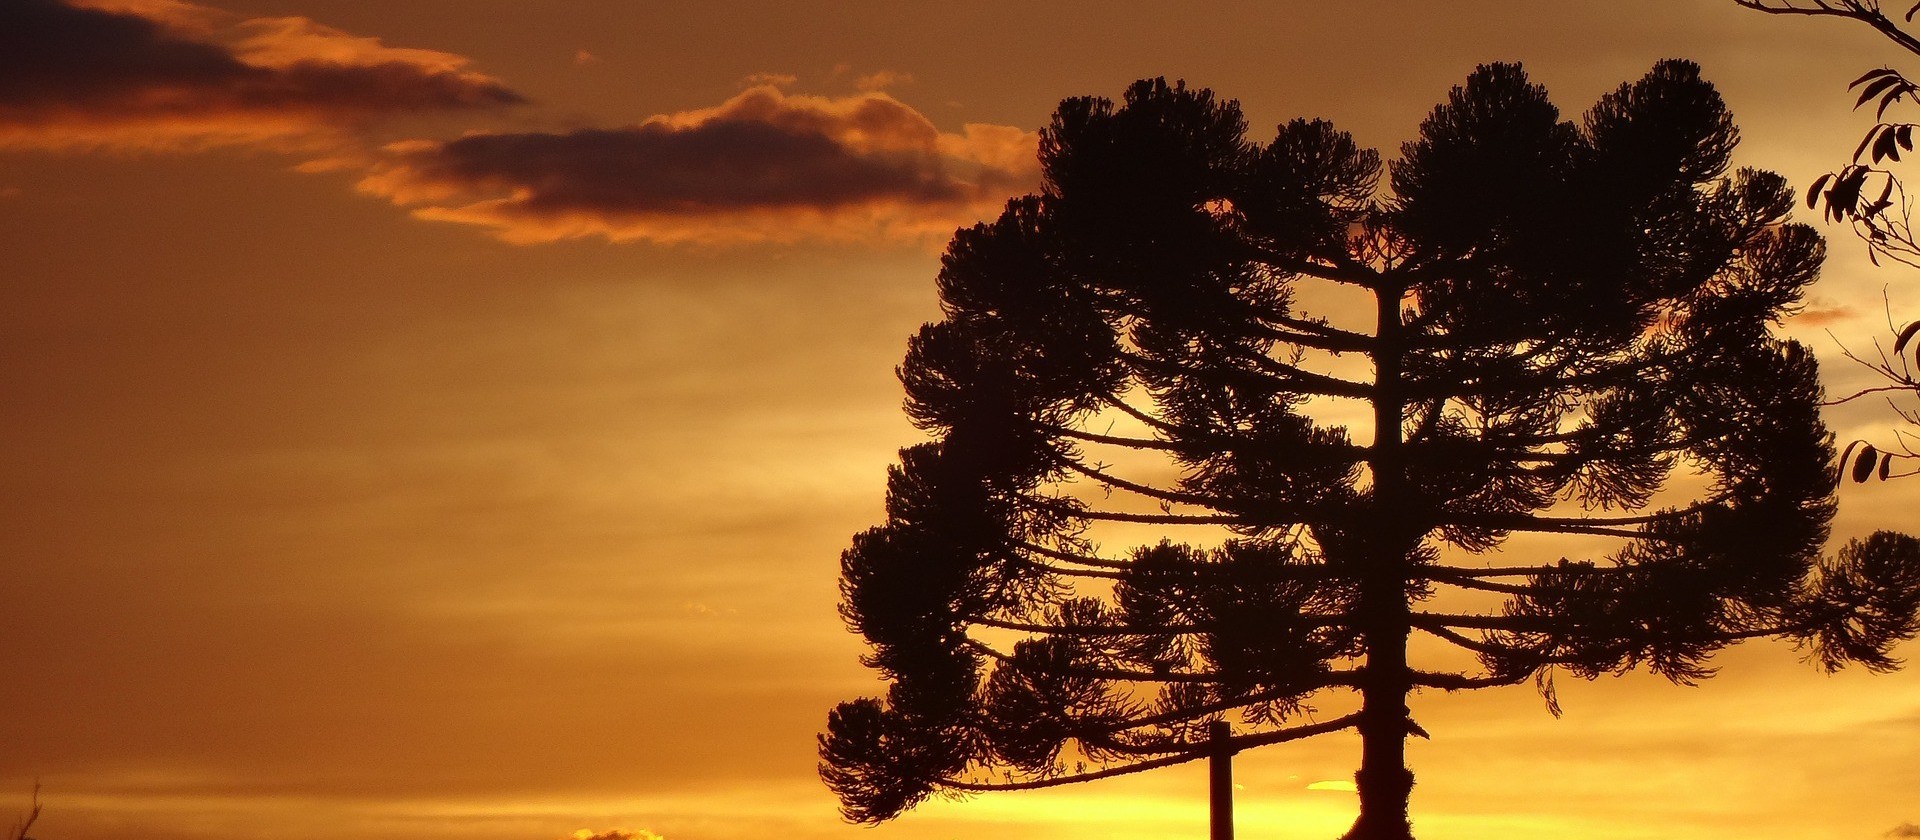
(165, 74)
(762, 166)
(1823, 314)
(882, 80)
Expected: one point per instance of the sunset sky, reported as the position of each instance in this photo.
(440, 419)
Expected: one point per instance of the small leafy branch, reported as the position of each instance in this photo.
(1864, 194)
(1873, 200)
(1900, 371)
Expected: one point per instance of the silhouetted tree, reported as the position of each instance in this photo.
(1874, 201)
(1567, 329)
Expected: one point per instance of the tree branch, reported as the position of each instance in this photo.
(1461, 682)
(1850, 9)
(1234, 744)
(1178, 497)
(1118, 440)
(1056, 507)
(1101, 631)
(1331, 338)
(1330, 679)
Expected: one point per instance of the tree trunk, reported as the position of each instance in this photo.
(1383, 781)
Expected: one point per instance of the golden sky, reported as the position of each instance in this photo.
(441, 418)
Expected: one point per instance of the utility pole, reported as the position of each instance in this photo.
(1220, 780)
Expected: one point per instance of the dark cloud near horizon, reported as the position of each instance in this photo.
(720, 166)
(1905, 830)
(70, 65)
(763, 155)
(55, 54)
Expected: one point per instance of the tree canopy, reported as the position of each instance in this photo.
(1563, 329)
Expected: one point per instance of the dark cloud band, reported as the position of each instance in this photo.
(67, 70)
(763, 157)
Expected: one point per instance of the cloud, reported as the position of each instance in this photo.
(763, 166)
(165, 74)
(774, 79)
(1904, 830)
(173, 75)
(882, 80)
(616, 834)
(1823, 315)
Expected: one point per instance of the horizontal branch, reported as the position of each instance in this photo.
(1106, 631)
(1048, 568)
(1201, 711)
(1196, 752)
(1329, 337)
(1084, 630)
(1329, 679)
(1119, 440)
(1462, 640)
(1300, 380)
(1461, 682)
(1348, 272)
(1070, 557)
(1100, 567)
(1484, 585)
(1532, 624)
(1272, 372)
(1639, 519)
(1179, 497)
(1550, 525)
(1453, 573)
(1540, 382)
(1091, 775)
(1903, 387)
(1179, 435)
(1430, 621)
(1056, 507)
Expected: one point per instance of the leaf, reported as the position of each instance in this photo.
(1883, 148)
(1863, 464)
(1864, 143)
(1905, 88)
(1880, 204)
(1877, 87)
(1904, 133)
(1846, 455)
(1886, 465)
(1813, 194)
(1870, 74)
(1845, 194)
(1906, 334)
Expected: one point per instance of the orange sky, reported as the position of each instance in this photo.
(432, 420)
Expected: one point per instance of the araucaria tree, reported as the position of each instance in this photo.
(1566, 332)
